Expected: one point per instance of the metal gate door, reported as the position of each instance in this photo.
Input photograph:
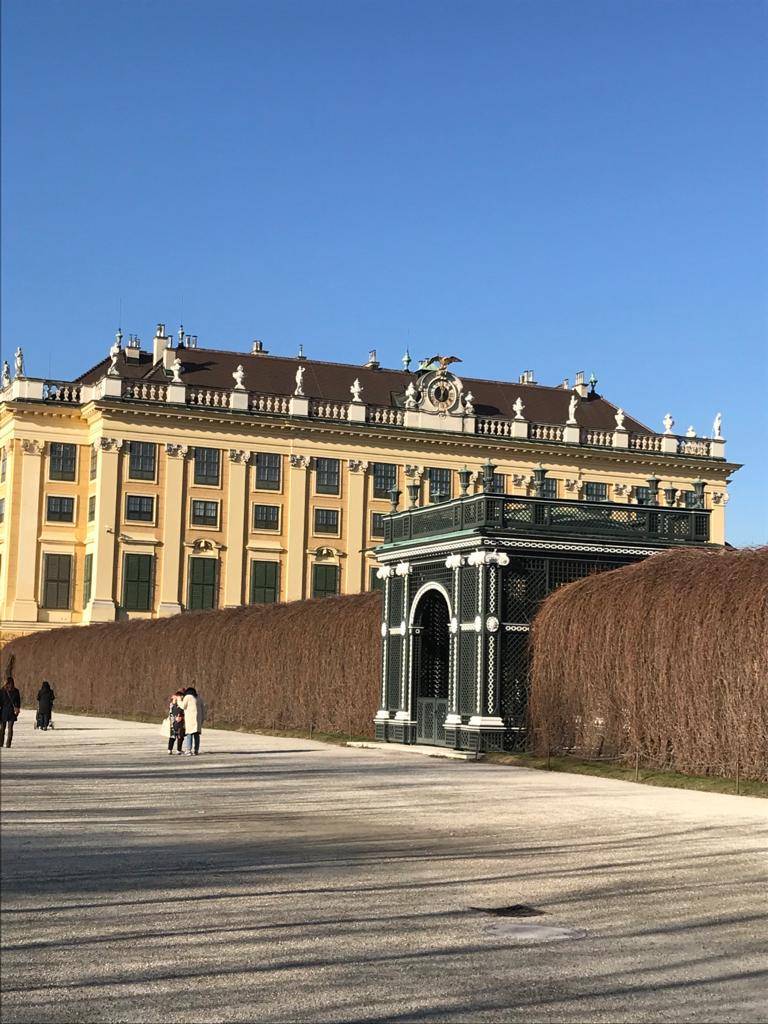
(430, 720)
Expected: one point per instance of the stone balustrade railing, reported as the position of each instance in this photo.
(694, 446)
(144, 391)
(546, 432)
(209, 398)
(61, 391)
(494, 427)
(645, 442)
(278, 405)
(385, 416)
(601, 438)
(328, 410)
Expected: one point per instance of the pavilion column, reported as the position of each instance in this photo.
(174, 504)
(103, 603)
(356, 518)
(24, 607)
(236, 506)
(296, 528)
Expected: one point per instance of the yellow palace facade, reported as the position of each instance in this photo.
(185, 478)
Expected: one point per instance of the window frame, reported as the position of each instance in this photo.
(60, 497)
(91, 508)
(142, 473)
(54, 476)
(128, 556)
(319, 510)
(317, 567)
(379, 492)
(87, 578)
(323, 488)
(204, 480)
(266, 529)
(373, 534)
(56, 582)
(374, 583)
(2, 509)
(93, 468)
(261, 485)
(252, 588)
(430, 484)
(595, 483)
(206, 586)
(204, 525)
(140, 519)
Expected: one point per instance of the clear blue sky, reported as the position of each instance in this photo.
(556, 185)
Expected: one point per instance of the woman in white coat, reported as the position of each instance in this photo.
(194, 716)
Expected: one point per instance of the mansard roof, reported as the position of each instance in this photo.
(267, 374)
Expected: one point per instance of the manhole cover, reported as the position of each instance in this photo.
(515, 910)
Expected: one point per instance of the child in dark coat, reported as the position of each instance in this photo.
(176, 715)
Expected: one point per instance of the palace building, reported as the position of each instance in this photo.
(185, 478)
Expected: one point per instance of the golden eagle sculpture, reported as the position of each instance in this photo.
(438, 362)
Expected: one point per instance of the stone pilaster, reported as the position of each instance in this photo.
(24, 606)
(174, 504)
(102, 608)
(356, 520)
(297, 526)
(236, 510)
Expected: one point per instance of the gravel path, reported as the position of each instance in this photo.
(285, 880)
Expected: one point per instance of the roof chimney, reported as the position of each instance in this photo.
(373, 363)
(580, 386)
(160, 343)
(257, 349)
(133, 348)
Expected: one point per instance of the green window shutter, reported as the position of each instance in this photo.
(265, 582)
(203, 577)
(137, 583)
(87, 578)
(57, 573)
(325, 580)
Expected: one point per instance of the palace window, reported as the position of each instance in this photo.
(643, 495)
(325, 580)
(499, 485)
(3, 464)
(374, 583)
(142, 460)
(327, 476)
(2, 510)
(57, 575)
(60, 510)
(326, 520)
(91, 508)
(265, 582)
(439, 484)
(137, 582)
(203, 577)
(87, 578)
(205, 513)
(549, 487)
(94, 462)
(267, 471)
(266, 517)
(207, 466)
(690, 499)
(377, 524)
(595, 491)
(63, 461)
(384, 479)
(140, 508)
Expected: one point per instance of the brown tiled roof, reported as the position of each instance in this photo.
(203, 367)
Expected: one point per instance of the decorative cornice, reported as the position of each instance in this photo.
(204, 544)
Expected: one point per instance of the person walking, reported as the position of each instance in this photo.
(10, 706)
(176, 728)
(194, 716)
(45, 699)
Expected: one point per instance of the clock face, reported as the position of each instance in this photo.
(443, 394)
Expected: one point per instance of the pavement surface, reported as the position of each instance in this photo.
(285, 880)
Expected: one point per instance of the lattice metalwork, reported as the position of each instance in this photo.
(565, 570)
(395, 611)
(394, 665)
(523, 587)
(433, 640)
(431, 572)
(513, 686)
(467, 673)
(468, 593)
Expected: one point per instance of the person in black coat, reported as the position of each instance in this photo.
(45, 699)
(10, 705)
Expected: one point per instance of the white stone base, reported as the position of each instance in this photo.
(102, 610)
(168, 608)
(483, 722)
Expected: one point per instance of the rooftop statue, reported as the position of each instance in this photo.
(239, 378)
(299, 389)
(668, 423)
(114, 352)
(619, 417)
(438, 362)
(18, 359)
(356, 389)
(411, 395)
(572, 409)
(518, 408)
(717, 427)
(469, 404)
(6, 378)
(176, 368)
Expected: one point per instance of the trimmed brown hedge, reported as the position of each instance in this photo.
(277, 666)
(666, 660)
